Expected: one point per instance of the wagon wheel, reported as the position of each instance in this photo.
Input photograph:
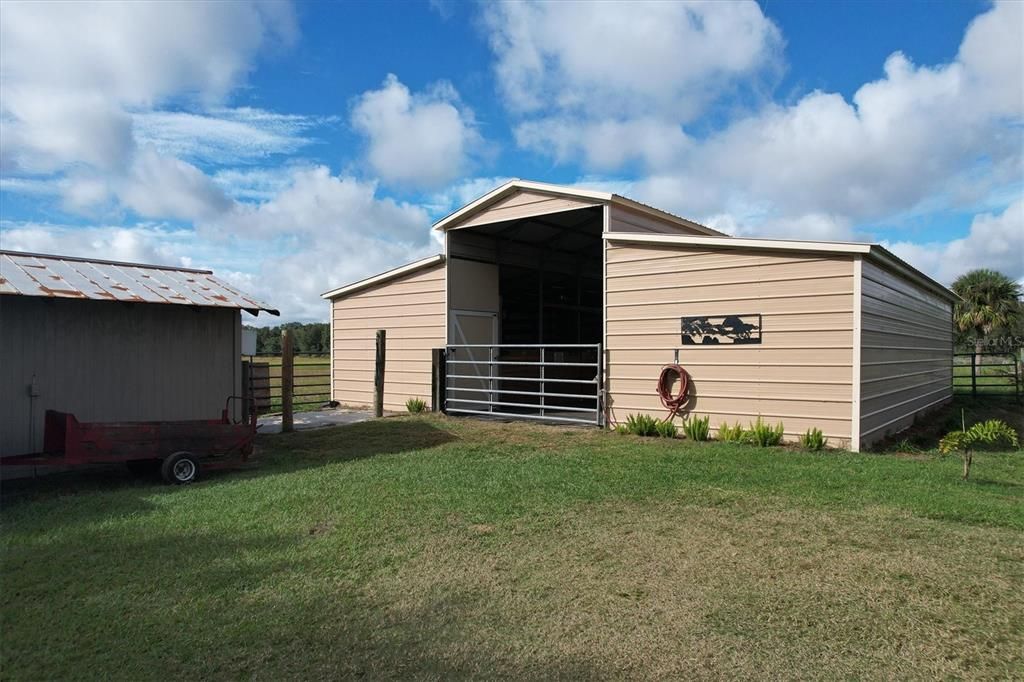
(179, 468)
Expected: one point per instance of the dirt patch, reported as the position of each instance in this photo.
(321, 527)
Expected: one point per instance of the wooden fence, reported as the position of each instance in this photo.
(312, 381)
(987, 374)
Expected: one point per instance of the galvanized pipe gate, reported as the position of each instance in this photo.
(558, 383)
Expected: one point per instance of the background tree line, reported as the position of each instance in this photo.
(307, 338)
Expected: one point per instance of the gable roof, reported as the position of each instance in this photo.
(873, 252)
(516, 185)
(38, 274)
(386, 276)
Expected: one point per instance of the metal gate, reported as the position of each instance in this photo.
(558, 383)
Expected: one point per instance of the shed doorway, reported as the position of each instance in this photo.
(540, 278)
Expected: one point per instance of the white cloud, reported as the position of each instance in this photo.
(259, 183)
(225, 136)
(916, 134)
(952, 133)
(626, 59)
(138, 53)
(164, 187)
(137, 244)
(318, 203)
(608, 144)
(995, 241)
(461, 193)
(78, 78)
(321, 231)
(421, 140)
(755, 223)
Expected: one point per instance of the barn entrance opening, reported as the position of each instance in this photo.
(525, 318)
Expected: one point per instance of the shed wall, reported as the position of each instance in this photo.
(107, 361)
(906, 352)
(412, 310)
(801, 373)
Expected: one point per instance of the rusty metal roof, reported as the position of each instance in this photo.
(36, 274)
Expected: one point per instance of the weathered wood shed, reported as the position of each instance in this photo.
(563, 305)
(110, 341)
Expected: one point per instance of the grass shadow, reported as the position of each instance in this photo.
(275, 454)
(201, 604)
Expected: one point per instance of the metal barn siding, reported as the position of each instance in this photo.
(906, 352)
(523, 204)
(411, 307)
(800, 374)
(623, 219)
(108, 361)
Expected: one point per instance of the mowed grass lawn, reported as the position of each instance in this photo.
(433, 548)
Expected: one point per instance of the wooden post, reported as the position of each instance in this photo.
(287, 381)
(974, 373)
(437, 380)
(378, 375)
(247, 405)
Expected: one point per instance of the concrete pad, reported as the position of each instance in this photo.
(271, 423)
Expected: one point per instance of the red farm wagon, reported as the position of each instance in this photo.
(180, 448)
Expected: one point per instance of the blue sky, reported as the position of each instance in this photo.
(295, 147)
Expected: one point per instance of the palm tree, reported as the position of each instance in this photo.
(991, 303)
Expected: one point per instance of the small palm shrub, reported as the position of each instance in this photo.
(763, 434)
(697, 428)
(986, 435)
(813, 439)
(731, 433)
(666, 429)
(642, 425)
(415, 405)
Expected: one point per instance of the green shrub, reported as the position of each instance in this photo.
(666, 429)
(763, 434)
(813, 439)
(731, 433)
(642, 425)
(986, 435)
(415, 405)
(697, 428)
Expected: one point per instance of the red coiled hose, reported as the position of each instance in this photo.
(673, 402)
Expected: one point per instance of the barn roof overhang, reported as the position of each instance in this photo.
(383, 277)
(46, 275)
(869, 251)
(454, 219)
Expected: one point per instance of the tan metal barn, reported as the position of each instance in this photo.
(111, 341)
(562, 305)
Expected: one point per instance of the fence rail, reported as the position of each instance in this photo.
(987, 374)
(559, 383)
(312, 381)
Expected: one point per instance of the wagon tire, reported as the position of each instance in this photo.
(180, 468)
